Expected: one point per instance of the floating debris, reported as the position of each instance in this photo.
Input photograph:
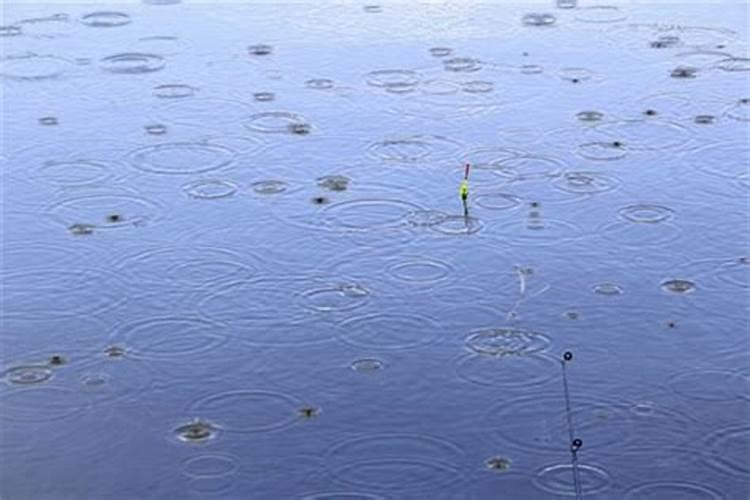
(309, 411)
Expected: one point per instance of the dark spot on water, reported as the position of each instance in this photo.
(671, 324)
(705, 119)
(320, 200)
(525, 54)
(572, 315)
(309, 411)
(57, 360)
(498, 464)
(49, 120)
(650, 112)
(616, 144)
(114, 218)
(575, 80)
(534, 204)
(684, 72)
(534, 214)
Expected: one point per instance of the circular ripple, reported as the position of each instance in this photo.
(212, 465)
(33, 67)
(457, 225)
(28, 374)
(477, 87)
(390, 331)
(557, 479)
(412, 149)
(508, 371)
(425, 218)
(169, 337)
(422, 271)
(40, 404)
(395, 461)
(190, 268)
(735, 272)
(107, 382)
(462, 64)
(646, 135)
(197, 431)
(740, 110)
(497, 201)
(343, 496)
(678, 286)
(366, 215)
(105, 19)
(246, 411)
(728, 451)
(734, 64)
(646, 234)
(646, 214)
(672, 489)
(727, 159)
(506, 341)
(95, 211)
(586, 182)
(210, 189)
(132, 63)
(182, 158)
(710, 385)
(329, 297)
(319, 84)
(269, 187)
(602, 151)
(590, 116)
(538, 231)
(538, 422)
(66, 292)
(393, 79)
(174, 91)
(600, 14)
(74, 173)
(274, 122)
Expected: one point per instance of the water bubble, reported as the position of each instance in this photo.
(704, 119)
(28, 374)
(276, 122)
(10, 30)
(556, 479)
(498, 464)
(269, 187)
(259, 50)
(80, 229)
(115, 351)
(367, 365)
(299, 128)
(609, 289)
(105, 19)
(600, 14)
(441, 51)
(334, 182)
(319, 84)
(264, 96)
(646, 214)
(174, 91)
(538, 19)
(210, 189)
(684, 72)
(155, 129)
(182, 158)
(678, 286)
(531, 69)
(197, 431)
(462, 64)
(132, 63)
(506, 341)
(49, 120)
(590, 116)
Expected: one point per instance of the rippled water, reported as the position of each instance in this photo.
(235, 263)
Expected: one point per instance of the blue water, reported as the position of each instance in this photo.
(235, 263)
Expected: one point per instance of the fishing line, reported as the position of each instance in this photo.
(575, 443)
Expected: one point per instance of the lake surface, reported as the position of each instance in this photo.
(235, 262)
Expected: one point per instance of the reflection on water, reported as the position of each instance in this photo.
(235, 259)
